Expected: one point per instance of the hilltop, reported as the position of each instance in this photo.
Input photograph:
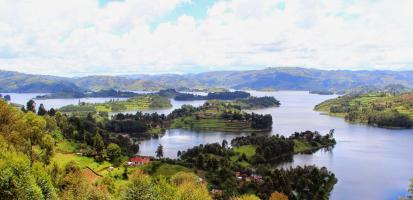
(280, 78)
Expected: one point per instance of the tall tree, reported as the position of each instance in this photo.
(42, 111)
(7, 97)
(114, 152)
(51, 112)
(159, 151)
(31, 106)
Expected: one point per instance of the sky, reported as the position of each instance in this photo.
(85, 37)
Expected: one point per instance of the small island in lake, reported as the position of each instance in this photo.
(217, 115)
(100, 93)
(243, 99)
(376, 109)
(140, 102)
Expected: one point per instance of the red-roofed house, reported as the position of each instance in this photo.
(139, 160)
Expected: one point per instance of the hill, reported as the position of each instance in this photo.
(280, 78)
(376, 109)
(20, 82)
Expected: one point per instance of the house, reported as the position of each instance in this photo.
(139, 160)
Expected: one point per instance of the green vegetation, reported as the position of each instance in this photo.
(169, 170)
(257, 102)
(248, 167)
(136, 103)
(376, 109)
(219, 116)
(100, 93)
(50, 155)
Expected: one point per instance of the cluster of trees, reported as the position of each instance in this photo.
(135, 125)
(185, 110)
(217, 161)
(271, 148)
(387, 119)
(213, 95)
(268, 148)
(6, 97)
(308, 182)
(315, 139)
(257, 102)
(258, 121)
(180, 186)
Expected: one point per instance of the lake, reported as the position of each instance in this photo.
(369, 162)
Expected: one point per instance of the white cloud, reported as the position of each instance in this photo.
(78, 37)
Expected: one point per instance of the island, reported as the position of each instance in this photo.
(101, 93)
(375, 109)
(213, 95)
(140, 102)
(218, 115)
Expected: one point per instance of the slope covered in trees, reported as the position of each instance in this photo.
(50, 155)
(376, 109)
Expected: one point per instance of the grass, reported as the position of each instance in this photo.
(300, 146)
(168, 170)
(248, 150)
(63, 158)
(66, 146)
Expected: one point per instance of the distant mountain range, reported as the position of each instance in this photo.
(282, 78)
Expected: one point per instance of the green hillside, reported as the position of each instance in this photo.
(377, 109)
(136, 103)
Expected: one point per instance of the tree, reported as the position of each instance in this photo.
(31, 106)
(159, 151)
(224, 143)
(189, 186)
(114, 153)
(7, 97)
(17, 180)
(47, 145)
(51, 112)
(141, 187)
(42, 111)
(98, 145)
(179, 153)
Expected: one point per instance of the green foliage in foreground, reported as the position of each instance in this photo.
(377, 109)
(136, 103)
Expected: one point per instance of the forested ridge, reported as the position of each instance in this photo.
(277, 78)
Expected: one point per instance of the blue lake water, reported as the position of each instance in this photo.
(369, 162)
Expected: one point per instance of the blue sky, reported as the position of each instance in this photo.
(83, 37)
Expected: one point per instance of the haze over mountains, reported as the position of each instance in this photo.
(266, 79)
